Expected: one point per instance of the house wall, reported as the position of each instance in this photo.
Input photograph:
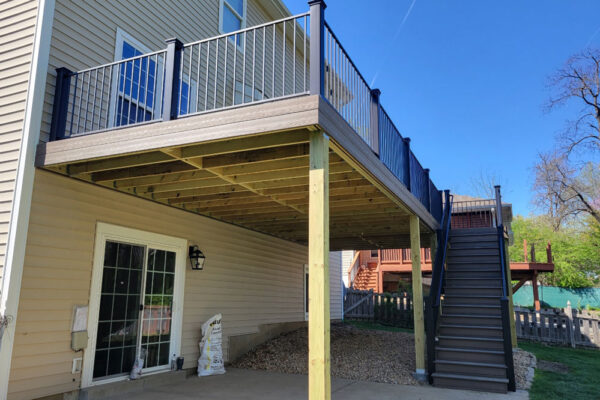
(251, 278)
(17, 28)
(84, 32)
(347, 257)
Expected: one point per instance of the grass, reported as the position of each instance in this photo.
(376, 327)
(580, 383)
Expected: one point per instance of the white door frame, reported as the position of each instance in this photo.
(106, 232)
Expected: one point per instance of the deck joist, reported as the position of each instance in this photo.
(250, 167)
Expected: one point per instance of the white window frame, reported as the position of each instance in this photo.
(222, 4)
(124, 37)
(109, 232)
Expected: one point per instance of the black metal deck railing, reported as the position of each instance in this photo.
(293, 56)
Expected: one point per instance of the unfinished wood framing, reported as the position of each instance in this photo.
(417, 285)
(319, 358)
(260, 182)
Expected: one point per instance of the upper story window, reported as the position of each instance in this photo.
(135, 97)
(138, 80)
(232, 15)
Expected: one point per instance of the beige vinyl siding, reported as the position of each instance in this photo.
(84, 32)
(17, 28)
(251, 278)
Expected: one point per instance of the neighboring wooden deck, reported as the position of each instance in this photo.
(249, 166)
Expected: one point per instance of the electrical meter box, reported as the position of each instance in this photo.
(79, 340)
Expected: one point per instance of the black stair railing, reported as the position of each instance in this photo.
(432, 303)
(504, 304)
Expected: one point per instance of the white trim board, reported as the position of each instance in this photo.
(21, 205)
(106, 232)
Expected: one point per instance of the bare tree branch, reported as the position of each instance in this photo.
(579, 82)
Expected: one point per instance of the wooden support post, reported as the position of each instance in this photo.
(536, 295)
(417, 286)
(319, 374)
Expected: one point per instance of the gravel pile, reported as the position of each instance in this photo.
(357, 354)
(525, 363)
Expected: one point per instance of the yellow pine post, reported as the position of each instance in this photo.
(417, 286)
(319, 375)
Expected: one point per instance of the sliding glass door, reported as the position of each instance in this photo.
(136, 306)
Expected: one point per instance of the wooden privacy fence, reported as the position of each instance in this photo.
(560, 326)
(388, 309)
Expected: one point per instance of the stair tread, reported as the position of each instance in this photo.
(468, 278)
(470, 316)
(470, 363)
(499, 328)
(480, 296)
(481, 339)
(469, 377)
(451, 263)
(465, 350)
(474, 287)
(471, 305)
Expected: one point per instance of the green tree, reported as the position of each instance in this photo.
(575, 249)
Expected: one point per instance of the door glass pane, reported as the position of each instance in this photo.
(119, 309)
(158, 303)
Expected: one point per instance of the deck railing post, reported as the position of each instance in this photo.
(375, 93)
(172, 79)
(61, 103)
(317, 46)
(428, 198)
(407, 162)
(498, 205)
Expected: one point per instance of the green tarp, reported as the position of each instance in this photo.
(557, 297)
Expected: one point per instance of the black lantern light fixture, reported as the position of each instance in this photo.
(196, 258)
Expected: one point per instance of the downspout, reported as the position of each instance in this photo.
(21, 205)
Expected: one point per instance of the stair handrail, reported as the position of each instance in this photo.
(504, 301)
(432, 303)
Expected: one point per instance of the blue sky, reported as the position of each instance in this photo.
(466, 79)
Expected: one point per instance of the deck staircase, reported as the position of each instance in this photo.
(469, 348)
(467, 311)
(366, 277)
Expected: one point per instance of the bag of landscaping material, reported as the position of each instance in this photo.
(138, 365)
(211, 352)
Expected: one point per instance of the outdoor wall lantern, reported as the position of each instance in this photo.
(196, 258)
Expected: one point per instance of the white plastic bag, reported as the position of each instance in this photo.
(211, 352)
(136, 371)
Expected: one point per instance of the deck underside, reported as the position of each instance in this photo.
(258, 180)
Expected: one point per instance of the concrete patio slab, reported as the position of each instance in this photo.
(246, 384)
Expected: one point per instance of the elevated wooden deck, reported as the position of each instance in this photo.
(250, 166)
